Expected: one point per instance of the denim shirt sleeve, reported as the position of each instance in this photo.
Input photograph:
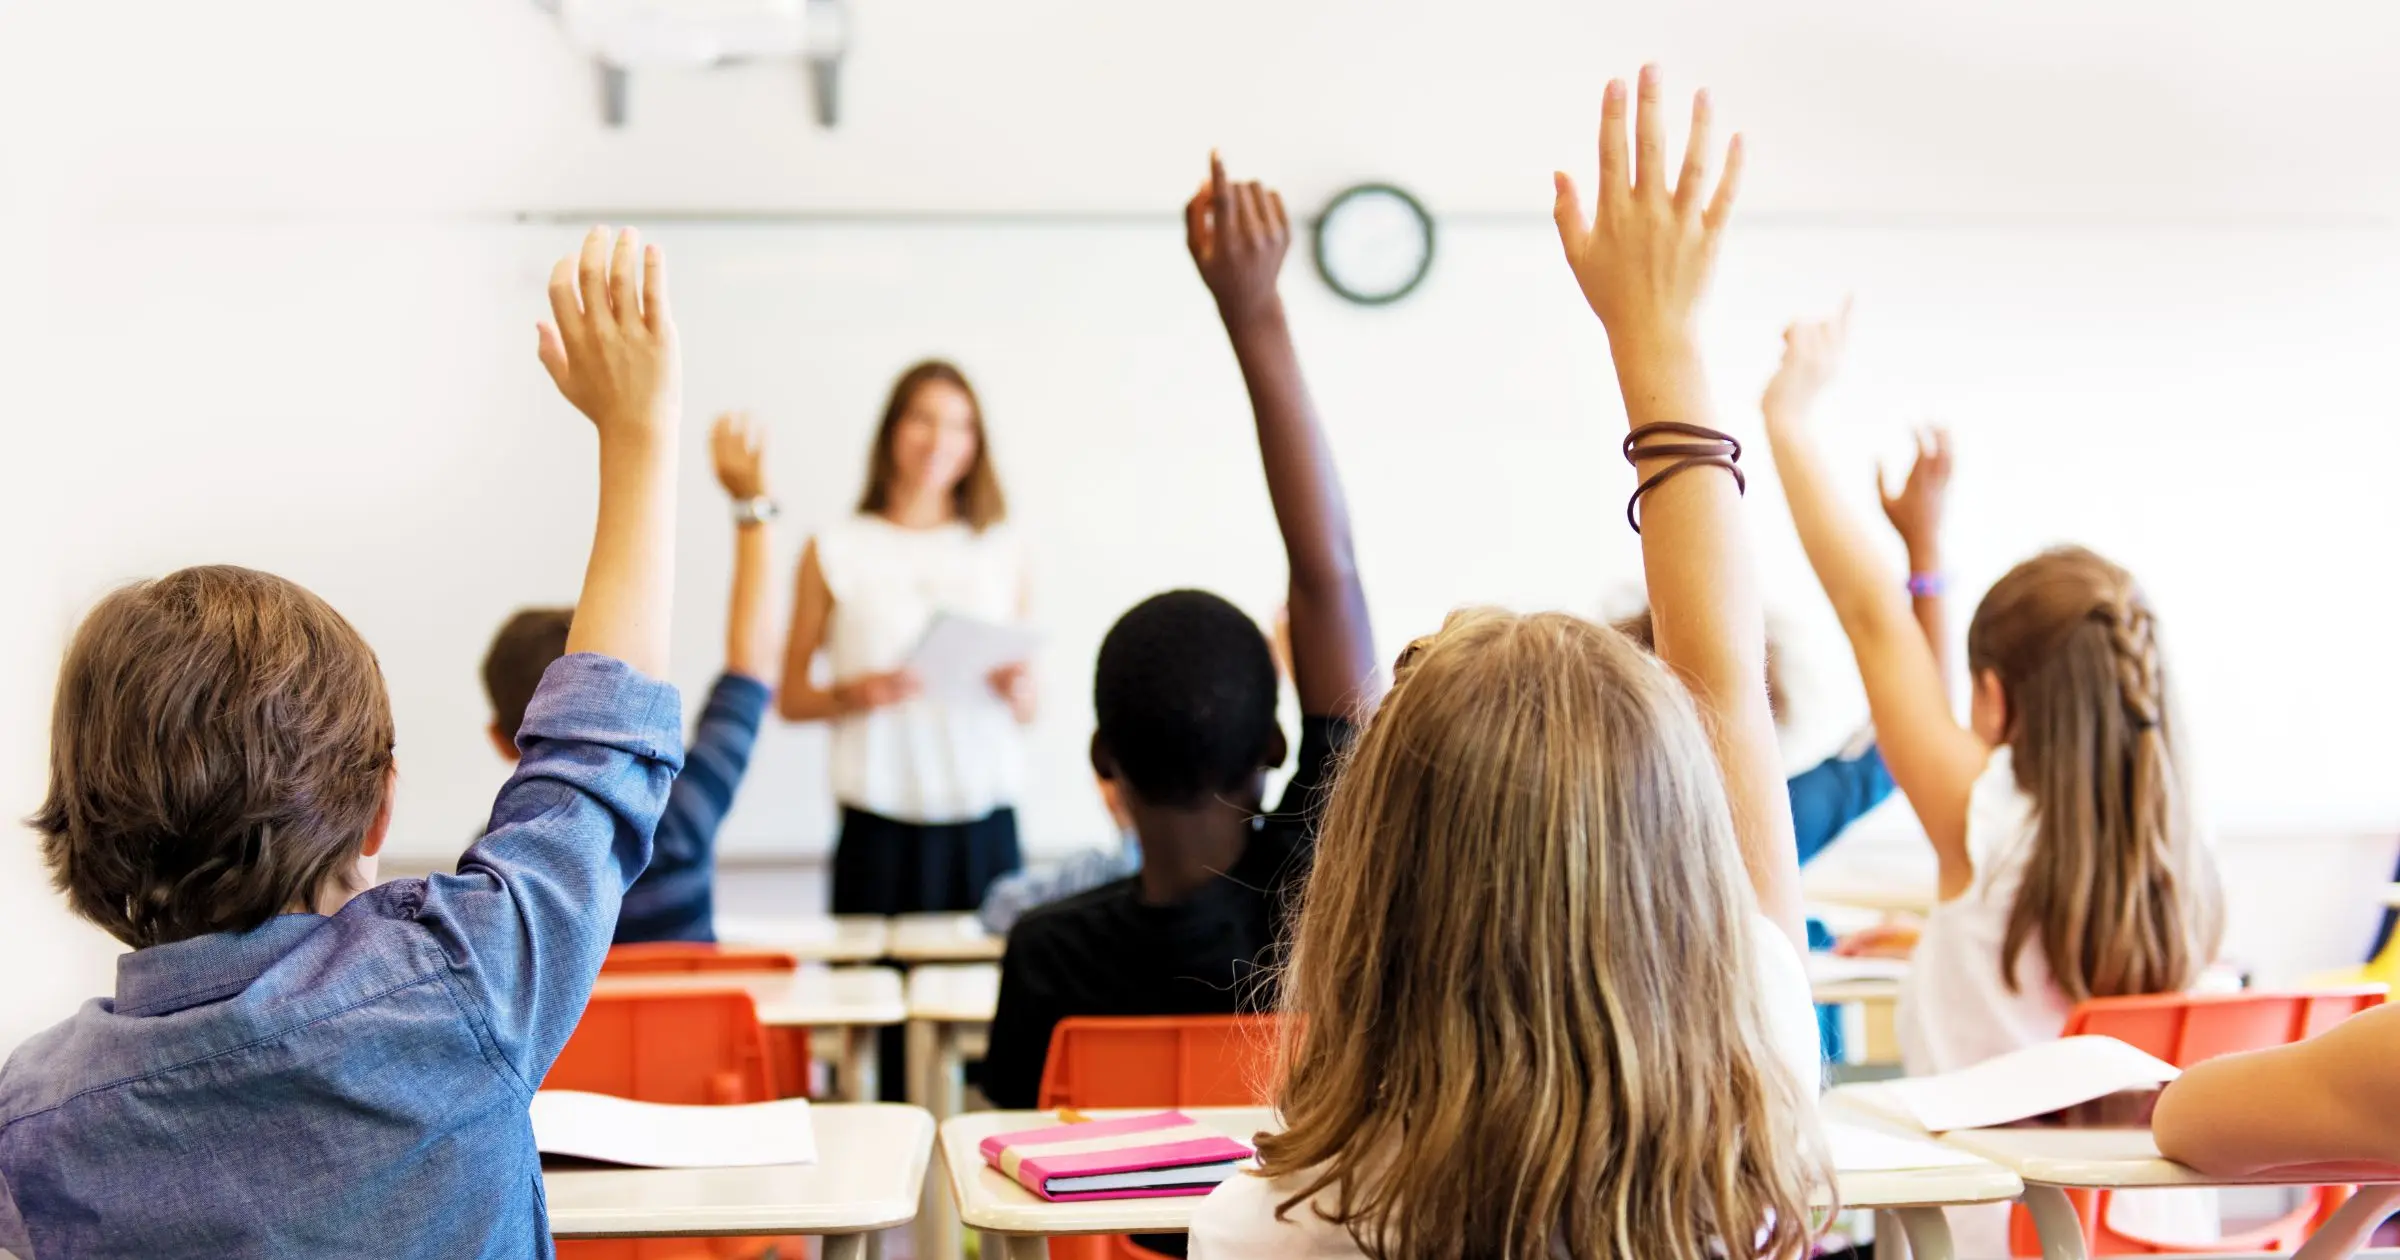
(1828, 797)
(527, 918)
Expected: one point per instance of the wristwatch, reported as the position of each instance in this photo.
(756, 511)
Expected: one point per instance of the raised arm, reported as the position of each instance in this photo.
(739, 446)
(1238, 235)
(2329, 1099)
(1643, 258)
(613, 354)
(1916, 515)
(1933, 759)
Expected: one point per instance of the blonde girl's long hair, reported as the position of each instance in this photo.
(2119, 891)
(1520, 1016)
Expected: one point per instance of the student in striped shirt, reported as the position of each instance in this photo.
(674, 900)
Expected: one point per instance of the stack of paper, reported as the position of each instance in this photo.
(955, 659)
(660, 1135)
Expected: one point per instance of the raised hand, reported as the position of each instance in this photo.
(1644, 253)
(1916, 512)
(1238, 235)
(739, 445)
(1812, 353)
(612, 349)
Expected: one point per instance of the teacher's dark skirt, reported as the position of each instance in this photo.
(885, 866)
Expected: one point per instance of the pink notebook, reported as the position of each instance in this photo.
(1130, 1157)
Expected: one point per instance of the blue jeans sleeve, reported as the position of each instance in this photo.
(675, 898)
(1829, 796)
(527, 918)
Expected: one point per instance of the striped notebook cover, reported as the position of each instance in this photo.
(1129, 1157)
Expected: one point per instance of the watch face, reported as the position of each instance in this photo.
(1374, 244)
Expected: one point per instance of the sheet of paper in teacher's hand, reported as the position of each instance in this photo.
(662, 1135)
(956, 657)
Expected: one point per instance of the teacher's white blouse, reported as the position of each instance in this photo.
(929, 760)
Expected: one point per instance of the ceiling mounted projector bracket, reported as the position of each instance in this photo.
(622, 36)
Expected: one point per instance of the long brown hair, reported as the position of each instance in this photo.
(976, 498)
(1525, 958)
(2120, 891)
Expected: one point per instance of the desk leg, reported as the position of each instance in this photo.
(1928, 1233)
(950, 1085)
(858, 1064)
(932, 1064)
(1021, 1247)
(1891, 1242)
(845, 1247)
(920, 1066)
(1881, 1023)
(2055, 1220)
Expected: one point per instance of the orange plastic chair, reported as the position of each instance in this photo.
(676, 956)
(689, 1048)
(1153, 1061)
(2185, 1029)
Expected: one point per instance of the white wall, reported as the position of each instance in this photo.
(2140, 259)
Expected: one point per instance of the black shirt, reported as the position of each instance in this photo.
(1103, 952)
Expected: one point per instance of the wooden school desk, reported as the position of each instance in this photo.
(949, 1015)
(853, 1001)
(942, 938)
(1023, 1224)
(2053, 1161)
(848, 938)
(870, 1170)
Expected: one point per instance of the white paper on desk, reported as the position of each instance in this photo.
(2034, 1081)
(1857, 1149)
(956, 657)
(660, 1135)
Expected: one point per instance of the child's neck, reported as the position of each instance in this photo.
(1184, 849)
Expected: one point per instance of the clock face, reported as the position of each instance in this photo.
(1374, 244)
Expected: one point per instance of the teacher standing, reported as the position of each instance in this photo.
(927, 783)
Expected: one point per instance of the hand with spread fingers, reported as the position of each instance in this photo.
(1644, 251)
(612, 349)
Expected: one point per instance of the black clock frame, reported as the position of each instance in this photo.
(1317, 243)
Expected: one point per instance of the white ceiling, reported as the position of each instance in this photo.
(2138, 109)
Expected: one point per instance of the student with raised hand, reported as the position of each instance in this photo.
(2070, 865)
(675, 898)
(1185, 694)
(297, 1060)
(1546, 995)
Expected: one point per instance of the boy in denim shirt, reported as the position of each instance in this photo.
(297, 1061)
(675, 899)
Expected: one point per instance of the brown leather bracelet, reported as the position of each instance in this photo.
(1741, 484)
(1733, 445)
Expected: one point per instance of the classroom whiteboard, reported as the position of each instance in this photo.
(2212, 407)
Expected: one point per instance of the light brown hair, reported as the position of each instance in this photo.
(977, 498)
(512, 669)
(1525, 958)
(221, 745)
(2119, 891)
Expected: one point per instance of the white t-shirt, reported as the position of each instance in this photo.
(1955, 1010)
(929, 760)
(1237, 1219)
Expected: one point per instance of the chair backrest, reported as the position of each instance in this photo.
(692, 1048)
(671, 956)
(1159, 1061)
(2188, 1028)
